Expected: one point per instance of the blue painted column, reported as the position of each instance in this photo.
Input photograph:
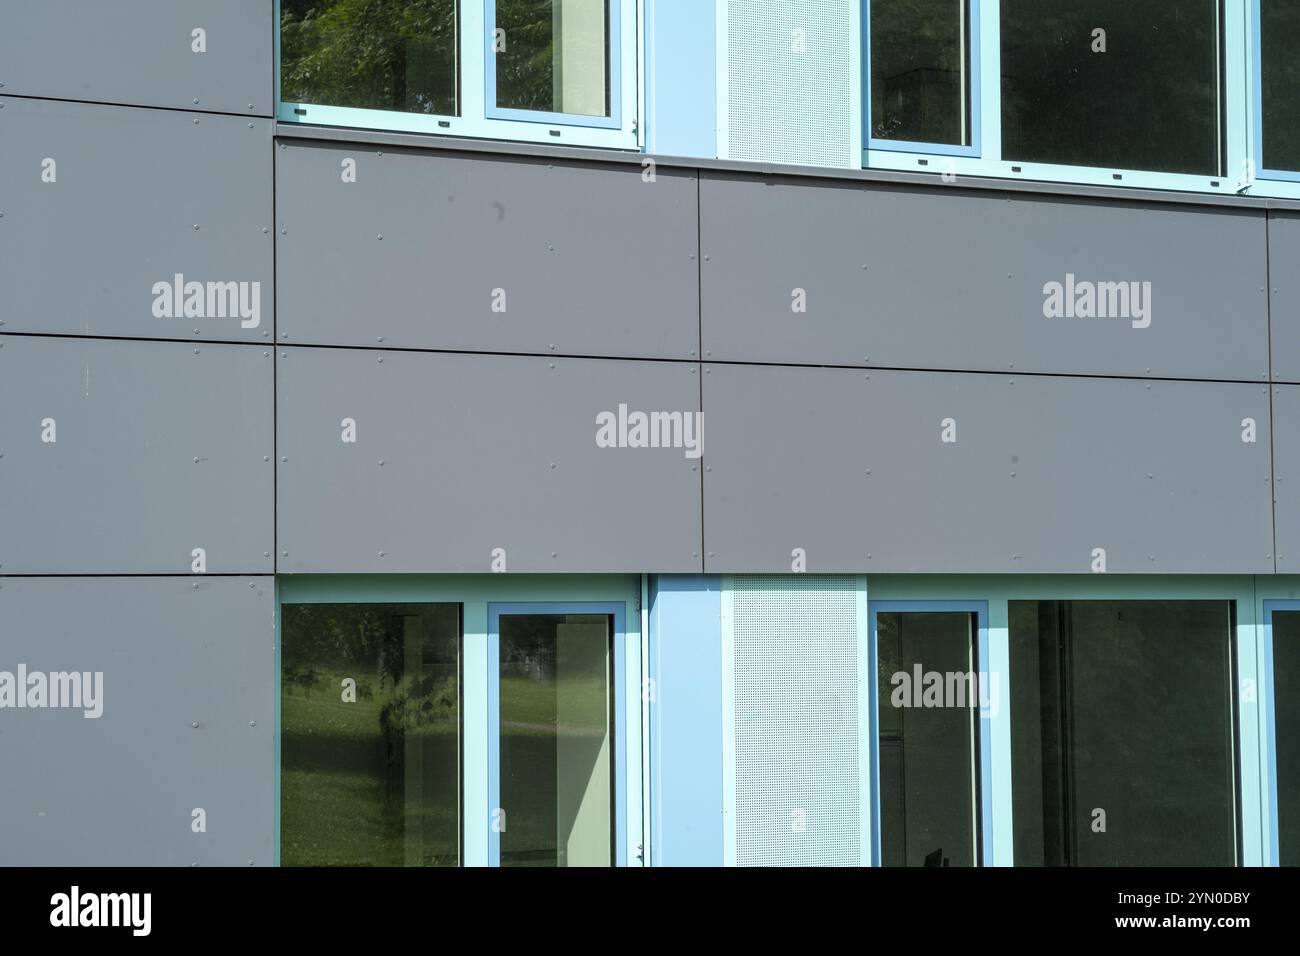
(681, 78)
(685, 721)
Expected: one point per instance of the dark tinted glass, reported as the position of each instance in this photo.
(928, 719)
(1286, 704)
(369, 734)
(370, 54)
(1279, 40)
(1150, 101)
(1122, 733)
(919, 71)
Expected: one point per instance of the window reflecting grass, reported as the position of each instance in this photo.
(369, 735)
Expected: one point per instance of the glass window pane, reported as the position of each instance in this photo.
(1113, 83)
(369, 734)
(928, 720)
(1286, 710)
(1279, 41)
(920, 71)
(557, 773)
(370, 54)
(553, 56)
(1122, 733)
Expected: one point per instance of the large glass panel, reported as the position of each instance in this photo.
(1113, 83)
(1279, 41)
(370, 54)
(920, 73)
(369, 734)
(1122, 733)
(553, 56)
(1286, 711)
(556, 725)
(929, 700)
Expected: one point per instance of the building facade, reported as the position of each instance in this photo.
(357, 505)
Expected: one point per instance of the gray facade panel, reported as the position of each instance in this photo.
(457, 456)
(935, 279)
(1286, 467)
(494, 254)
(124, 457)
(1284, 276)
(103, 203)
(852, 467)
(143, 53)
(121, 789)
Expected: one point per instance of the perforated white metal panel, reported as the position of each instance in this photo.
(794, 641)
(790, 82)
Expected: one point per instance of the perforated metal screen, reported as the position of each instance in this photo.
(791, 82)
(796, 740)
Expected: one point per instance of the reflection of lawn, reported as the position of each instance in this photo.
(342, 798)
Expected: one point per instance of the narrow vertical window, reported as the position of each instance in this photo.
(1122, 733)
(928, 738)
(553, 56)
(920, 71)
(556, 740)
(1279, 41)
(1286, 714)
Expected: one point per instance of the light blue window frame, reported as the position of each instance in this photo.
(1257, 109)
(985, 787)
(973, 104)
(618, 612)
(475, 593)
(613, 78)
(478, 116)
(1267, 693)
(986, 103)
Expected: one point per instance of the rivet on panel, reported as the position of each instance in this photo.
(194, 724)
(252, 723)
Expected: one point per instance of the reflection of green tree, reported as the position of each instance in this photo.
(377, 54)
(402, 54)
(350, 791)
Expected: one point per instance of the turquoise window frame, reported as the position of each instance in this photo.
(985, 782)
(1250, 750)
(974, 102)
(616, 610)
(476, 118)
(988, 161)
(1268, 688)
(1275, 182)
(613, 78)
(475, 592)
